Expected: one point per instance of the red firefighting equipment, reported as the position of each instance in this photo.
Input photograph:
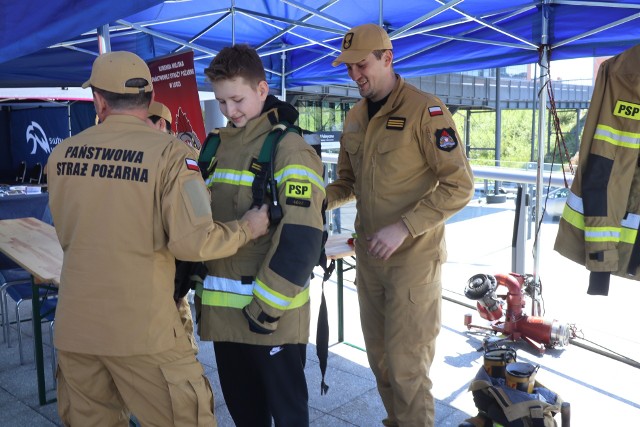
(535, 330)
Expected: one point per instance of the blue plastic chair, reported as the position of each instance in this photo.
(10, 277)
(19, 290)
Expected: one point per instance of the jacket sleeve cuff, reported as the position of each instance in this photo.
(245, 231)
(599, 283)
(407, 219)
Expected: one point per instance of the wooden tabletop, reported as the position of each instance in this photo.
(337, 246)
(34, 246)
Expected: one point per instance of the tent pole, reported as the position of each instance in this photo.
(542, 110)
(283, 90)
(233, 22)
(104, 39)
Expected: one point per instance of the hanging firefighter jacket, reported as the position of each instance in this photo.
(599, 225)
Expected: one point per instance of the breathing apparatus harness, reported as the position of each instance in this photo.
(265, 185)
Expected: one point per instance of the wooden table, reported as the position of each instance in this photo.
(34, 246)
(337, 249)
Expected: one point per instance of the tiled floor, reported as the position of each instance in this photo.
(602, 391)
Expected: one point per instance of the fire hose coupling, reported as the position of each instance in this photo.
(516, 324)
(481, 288)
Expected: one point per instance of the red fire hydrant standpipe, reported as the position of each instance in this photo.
(537, 331)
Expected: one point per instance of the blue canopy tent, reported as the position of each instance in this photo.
(45, 45)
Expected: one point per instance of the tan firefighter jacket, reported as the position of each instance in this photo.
(406, 163)
(273, 271)
(599, 225)
(126, 200)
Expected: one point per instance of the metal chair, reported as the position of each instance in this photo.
(10, 277)
(22, 172)
(20, 291)
(35, 177)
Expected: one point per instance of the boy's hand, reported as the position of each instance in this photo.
(257, 220)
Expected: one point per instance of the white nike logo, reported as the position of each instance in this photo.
(275, 350)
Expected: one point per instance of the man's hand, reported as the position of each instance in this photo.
(257, 221)
(384, 242)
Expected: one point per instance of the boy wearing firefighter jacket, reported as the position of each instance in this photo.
(254, 305)
(400, 157)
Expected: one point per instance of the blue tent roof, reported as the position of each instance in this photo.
(55, 45)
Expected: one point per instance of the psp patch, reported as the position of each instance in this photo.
(396, 123)
(627, 110)
(298, 190)
(446, 139)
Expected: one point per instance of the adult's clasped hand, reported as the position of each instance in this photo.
(257, 221)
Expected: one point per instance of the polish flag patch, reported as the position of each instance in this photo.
(192, 165)
(435, 111)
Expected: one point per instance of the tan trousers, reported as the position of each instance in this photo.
(400, 315)
(164, 389)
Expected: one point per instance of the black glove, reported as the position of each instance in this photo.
(259, 321)
(187, 275)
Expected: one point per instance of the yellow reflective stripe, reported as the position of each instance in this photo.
(628, 235)
(576, 219)
(573, 217)
(573, 214)
(617, 137)
(227, 299)
(602, 234)
(301, 173)
(233, 177)
(276, 299)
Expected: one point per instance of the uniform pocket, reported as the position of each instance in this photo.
(190, 393)
(352, 143)
(424, 293)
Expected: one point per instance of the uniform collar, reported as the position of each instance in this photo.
(393, 101)
(123, 118)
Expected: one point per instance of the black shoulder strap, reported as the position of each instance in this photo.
(207, 158)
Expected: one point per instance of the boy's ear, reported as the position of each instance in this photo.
(263, 90)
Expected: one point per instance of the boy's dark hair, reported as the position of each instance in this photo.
(237, 61)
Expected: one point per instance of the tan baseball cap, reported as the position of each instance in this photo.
(360, 41)
(159, 109)
(111, 72)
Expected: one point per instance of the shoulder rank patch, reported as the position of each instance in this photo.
(192, 165)
(627, 110)
(396, 123)
(435, 111)
(299, 190)
(446, 139)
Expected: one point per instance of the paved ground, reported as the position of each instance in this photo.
(602, 390)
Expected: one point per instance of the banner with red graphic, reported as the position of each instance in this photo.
(174, 84)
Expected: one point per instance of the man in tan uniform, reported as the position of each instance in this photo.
(400, 158)
(126, 201)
